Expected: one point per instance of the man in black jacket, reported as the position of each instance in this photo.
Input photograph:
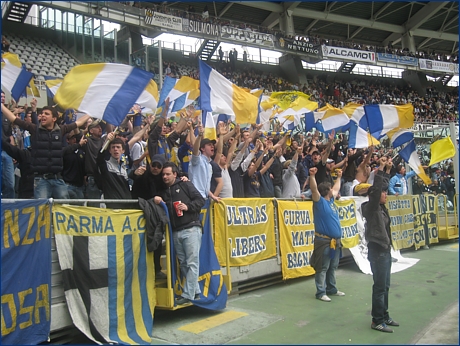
(184, 203)
(378, 236)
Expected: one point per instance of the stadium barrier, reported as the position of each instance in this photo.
(252, 238)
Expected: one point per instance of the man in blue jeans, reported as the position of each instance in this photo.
(46, 143)
(328, 233)
(377, 233)
(184, 204)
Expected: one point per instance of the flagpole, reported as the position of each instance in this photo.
(107, 142)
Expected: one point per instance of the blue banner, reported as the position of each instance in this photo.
(26, 272)
(396, 59)
(213, 289)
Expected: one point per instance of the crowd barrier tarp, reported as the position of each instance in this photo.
(26, 272)
(348, 54)
(107, 271)
(249, 224)
(297, 233)
(438, 66)
(213, 289)
(163, 20)
(397, 59)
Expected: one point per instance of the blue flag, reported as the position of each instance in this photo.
(210, 276)
(26, 272)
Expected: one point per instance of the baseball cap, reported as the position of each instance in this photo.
(73, 133)
(316, 152)
(361, 189)
(94, 124)
(330, 161)
(205, 141)
(158, 158)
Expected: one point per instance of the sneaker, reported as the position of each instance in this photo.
(160, 276)
(426, 247)
(391, 322)
(181, 300)
(325, 298)
(382, 327)
(339, 293)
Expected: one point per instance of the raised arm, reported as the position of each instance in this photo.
(315, 196)
(220, 146)
(327, 151)
(196, 145)
(336, 187)
(270, 162)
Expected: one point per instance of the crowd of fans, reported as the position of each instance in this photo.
(433, 107)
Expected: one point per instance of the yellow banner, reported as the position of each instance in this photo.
(108, 247)
(402, 221)
(248, 233)
(419, 222)
(348, 222)
(297, 234)
(431, 214)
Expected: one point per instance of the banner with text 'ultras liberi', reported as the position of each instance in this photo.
(247, 232)
(107, 271)
(26, 272)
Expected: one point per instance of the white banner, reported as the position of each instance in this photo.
(349, 54)
(246, 35)
(439, 66)
(163, 20)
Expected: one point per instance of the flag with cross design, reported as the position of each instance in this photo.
(108, 273)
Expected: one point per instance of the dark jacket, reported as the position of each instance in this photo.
(185, 192)
(46, 146)
(155, 222)
(377, 227)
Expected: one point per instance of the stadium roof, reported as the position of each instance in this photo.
(433, 25)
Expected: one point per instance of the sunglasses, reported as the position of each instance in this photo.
(156, 165)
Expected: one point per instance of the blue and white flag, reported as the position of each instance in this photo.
(409, 154)
(108, 274)
(107, 91)
(175, 88)
(52, 85)
(26, 272)
(15, 78)
(359, 136)
(401, 137)
(385, 118)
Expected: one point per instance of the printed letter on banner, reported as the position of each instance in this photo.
(297, 234)
(402, 221)
(107, 271)
(431, 212)
(26, 272)
(250, 230)
(348, 222)
(419, 221)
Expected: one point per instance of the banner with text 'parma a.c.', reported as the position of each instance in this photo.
(26, 272)
(107, 271)
(248, 230)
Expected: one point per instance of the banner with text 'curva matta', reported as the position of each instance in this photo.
(297, 234)
(107, 271)
(26, 272)
(247, 230)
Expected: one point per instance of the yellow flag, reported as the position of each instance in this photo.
(441, 150)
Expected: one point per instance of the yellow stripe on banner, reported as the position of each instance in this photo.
(136, 291)
(211, 322)
(454, 246)
(76, 84)
(122, 332)
(245, 106)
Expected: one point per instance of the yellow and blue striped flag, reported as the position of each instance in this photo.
(15, 78)
(107, 91)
